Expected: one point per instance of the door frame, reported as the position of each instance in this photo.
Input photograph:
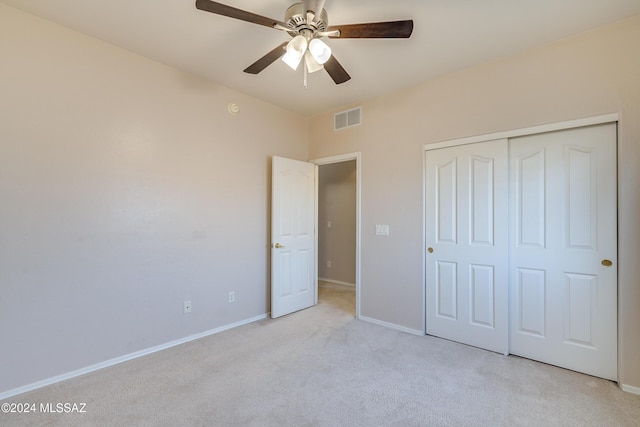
(552, 127)
(339, 159)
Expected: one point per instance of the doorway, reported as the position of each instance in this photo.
(338, 235)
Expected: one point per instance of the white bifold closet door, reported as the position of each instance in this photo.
(466, 230)
(521, 242)
(564, 249)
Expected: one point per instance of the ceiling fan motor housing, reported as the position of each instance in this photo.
(296, 20)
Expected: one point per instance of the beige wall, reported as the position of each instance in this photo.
(125, 188)
(587, 75)
(337, 203)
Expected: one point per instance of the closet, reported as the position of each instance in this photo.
(521, 246)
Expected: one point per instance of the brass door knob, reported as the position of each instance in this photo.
(278, 246)
(430, 250)
(607, 263)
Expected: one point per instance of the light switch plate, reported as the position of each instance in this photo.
(382, 230)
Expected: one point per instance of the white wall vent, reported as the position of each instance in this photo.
(347, 119)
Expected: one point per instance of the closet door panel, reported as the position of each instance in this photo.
(563, 250)
(466, 253)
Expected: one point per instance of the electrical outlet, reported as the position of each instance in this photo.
(187, 307)
(232, 296)
(328, 264)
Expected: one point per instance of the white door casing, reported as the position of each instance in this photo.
(293, 252)
(563, 229)
(466, 237)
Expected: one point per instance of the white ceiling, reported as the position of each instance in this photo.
(448, 35)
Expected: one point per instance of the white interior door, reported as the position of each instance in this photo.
(467, 241)
(563, 255)
(293, 254)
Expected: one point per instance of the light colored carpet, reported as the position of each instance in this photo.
(339, 296)
(321, 367)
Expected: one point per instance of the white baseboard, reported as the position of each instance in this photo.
(336, 282)
(125, 358)
(630, 389)
(392, 326)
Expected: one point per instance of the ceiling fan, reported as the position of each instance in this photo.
(307, 23)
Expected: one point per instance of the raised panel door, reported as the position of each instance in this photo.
(563, 185)
(466, 269)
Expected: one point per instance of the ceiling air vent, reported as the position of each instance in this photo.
(347, 119)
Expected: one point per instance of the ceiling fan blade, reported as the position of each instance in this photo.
(375, 30)
(266, 60)
(336, 71)
(232, 12)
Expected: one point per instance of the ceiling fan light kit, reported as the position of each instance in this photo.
(295, 50)
(307, 22)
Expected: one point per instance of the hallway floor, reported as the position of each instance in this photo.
(340, 296)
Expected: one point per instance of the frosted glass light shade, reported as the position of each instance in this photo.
(295, 50)
(312, 64)
(320, 51)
